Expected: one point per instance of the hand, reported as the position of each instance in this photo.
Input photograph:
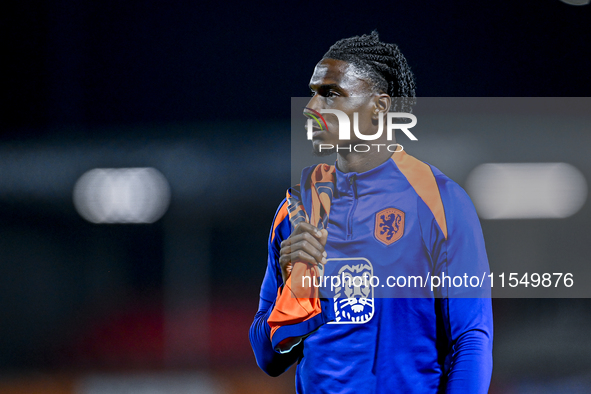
(305, 244)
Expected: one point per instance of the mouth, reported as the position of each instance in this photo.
(315, 131)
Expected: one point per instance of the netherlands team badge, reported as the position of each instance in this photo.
(389, 226)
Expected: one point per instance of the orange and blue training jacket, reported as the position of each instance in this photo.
(401, 220)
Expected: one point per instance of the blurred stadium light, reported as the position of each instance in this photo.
(576, 2)
(122, 195)
(193, 383)
(526, 190)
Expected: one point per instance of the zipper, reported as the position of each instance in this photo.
(353, 206)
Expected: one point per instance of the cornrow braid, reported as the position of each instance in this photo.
(382, 63)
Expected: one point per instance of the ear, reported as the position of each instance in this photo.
(382, 103)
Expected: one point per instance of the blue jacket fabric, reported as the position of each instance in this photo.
(401, 219)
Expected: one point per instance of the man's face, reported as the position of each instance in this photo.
(336, 84)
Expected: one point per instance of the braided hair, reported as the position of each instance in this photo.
(382, 63)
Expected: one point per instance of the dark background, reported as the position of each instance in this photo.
(201, 91)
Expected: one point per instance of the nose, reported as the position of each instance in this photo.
(312, 109)
(314, 104)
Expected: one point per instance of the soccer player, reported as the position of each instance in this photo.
(373, 213)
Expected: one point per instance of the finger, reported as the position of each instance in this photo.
(315, 250)
(295, 239)
(295, 257)
(323, 236)
(308, 228)
(322, 240)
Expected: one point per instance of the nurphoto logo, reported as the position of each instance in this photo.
(345, 129)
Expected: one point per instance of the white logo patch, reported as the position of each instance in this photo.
(353, 300)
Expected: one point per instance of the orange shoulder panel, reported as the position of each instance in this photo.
(421, 178)
(282, 214)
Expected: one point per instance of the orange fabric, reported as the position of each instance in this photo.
(322, 173)
(296, 303)
(295, 208)
(300, 301)
(421, 178)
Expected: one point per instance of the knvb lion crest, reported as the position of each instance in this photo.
(353, 298)
(389, 226)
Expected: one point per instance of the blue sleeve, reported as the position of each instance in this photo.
(270, 361)
(466, 311)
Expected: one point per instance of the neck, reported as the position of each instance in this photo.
(361, 162)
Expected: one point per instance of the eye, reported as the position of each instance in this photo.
(329, 93)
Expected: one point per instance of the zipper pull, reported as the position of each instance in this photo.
(353, 184)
